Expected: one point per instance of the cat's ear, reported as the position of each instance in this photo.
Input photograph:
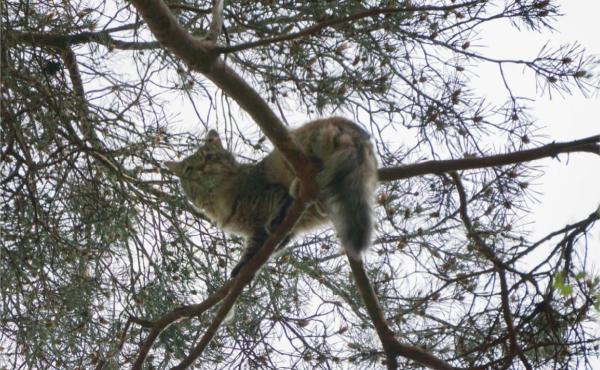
(212, 138)
(178, 168)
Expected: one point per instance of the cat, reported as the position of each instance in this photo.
(251, 199)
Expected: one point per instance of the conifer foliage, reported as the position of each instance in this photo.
(105, 265)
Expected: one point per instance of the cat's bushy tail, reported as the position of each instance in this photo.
(348, 181)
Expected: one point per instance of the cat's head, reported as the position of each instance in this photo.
(210, 159)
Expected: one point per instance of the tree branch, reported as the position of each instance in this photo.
(216, 24)
(200, 55)
(244, 277)
(230, 291)
(312, 30)
(499, 265)
(167, 319)
(62, 41)
(590, 144)
(392, 347)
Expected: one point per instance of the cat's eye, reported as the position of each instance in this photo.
(187, 171)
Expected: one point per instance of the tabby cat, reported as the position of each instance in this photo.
(251, 199)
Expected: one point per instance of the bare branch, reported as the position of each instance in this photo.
(391, 345)
(590, 144)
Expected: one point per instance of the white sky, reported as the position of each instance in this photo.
(570, 189)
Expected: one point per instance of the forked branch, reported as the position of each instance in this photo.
(167, 319)
(229, 292)
(499, 266)
(391, 345)
(244, 278)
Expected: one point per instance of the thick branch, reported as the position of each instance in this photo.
(590, 144)
(390, 344)
(375, 312)
(201, 56)
(244, 277)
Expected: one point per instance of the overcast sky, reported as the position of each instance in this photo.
(570, 189)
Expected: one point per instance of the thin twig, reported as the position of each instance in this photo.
(315, 29)
(473, 234)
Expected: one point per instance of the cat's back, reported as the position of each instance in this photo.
(320, 139)
(323, 137)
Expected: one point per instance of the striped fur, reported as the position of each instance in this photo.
(250, 199)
